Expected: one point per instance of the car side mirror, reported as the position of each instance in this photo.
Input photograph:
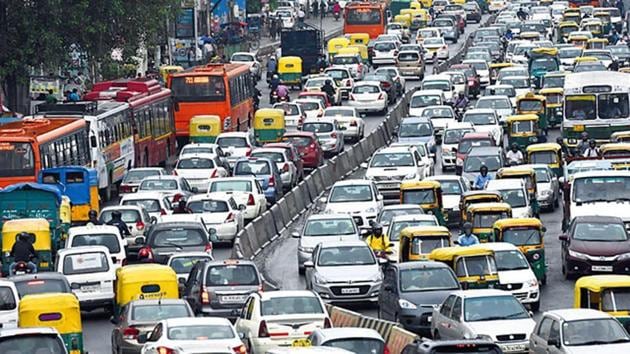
(142, 338)
(363, 165)
(544, 229)
(323, 200)
(364, 232)
(194, 190)
(242, 207)
(140, 240)
(309, 264)
(379, 197)
(295, 234)
(563, 237)
(153, 220)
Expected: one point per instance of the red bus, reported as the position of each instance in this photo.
(226, 90)
(580, 3)
(151, 116)
(365, 17)
(30, 145)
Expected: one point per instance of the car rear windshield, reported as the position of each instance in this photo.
(276, 157)
(366, 89)
(195, 163)
(150, 205)
(208, 206)
(128, 216)
(231, 186)
(200, 332)
(32, 344)
(232, 275)
(111, 241)
(357, 345)
(300, 141)
(158, 185)
(178, 236)
(350, 193)
(135, 176)
(252, 167)
(235, 141)
(318, 127)
(7, 300)
(156, 312)
(290, 305)
(40, 286)
(345, 60)
(84, 263)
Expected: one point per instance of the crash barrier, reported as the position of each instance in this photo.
(395, 337)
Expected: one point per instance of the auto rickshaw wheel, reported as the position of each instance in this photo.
(543, 281)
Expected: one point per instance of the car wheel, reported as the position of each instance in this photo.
(535, 306)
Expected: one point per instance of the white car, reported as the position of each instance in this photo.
(312, 108)
(425, 98)
(245, 190)
(389, 166)
(154, 203)
(288, 170)
(483, 70)
(390, 211)
(329, 134)
(294, 115)
(398, 29)
(385, 52)
(316, 83)
(134, 176)
(348, 118)
(450, 140)
(173, 187)
(91, 273)
(440, 117)
(368, 96)
(250, 60)
(100, 235)
(458, 78)
(220, 212)
(236, 144)
(11, 302)
(521, 84)
(604, 55)
(198, 169)
(500, 104)
(427, 32)
(183, 262)
(453, 187)
(276, 318)
(435, 47)
(201, 148)
(493, 315)
(485, 120)
(357, 197)
(426, 157)
(514, 193)
(343, 78)
(287, 17)
(502, 90)
(496, 6)
(352, 62)
(192, 335)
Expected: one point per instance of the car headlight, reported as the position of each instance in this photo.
(532, 283)
(404, 304)
(411, 176)
(370, 210)
(536, 256)
(459, 162)
(546, 192)
(623, 257)
(377, 277)
(319, 279)
(575, 254)
(305, 249)
(484, 337)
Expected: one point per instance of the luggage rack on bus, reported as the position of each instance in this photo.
(78, 108)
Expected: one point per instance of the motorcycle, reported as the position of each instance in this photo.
(22, 268)
(336, 14)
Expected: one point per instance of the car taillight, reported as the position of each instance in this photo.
(272, 181)
(145, 252)
(250, 200)
(351, 97)
(240, 349)
(177, 197)
(139, 225)
(230, 217)
(248, 151)
(162, 212)
(285, 168)
(327, 323)
(333, 135)
(124, 262)
(174, 172)
(386, 84)
(320, 113)
(386, 350)
(263, 332)
(444, 47)
(125, 189)
(348, 83)
(205, 296)
(165, 350)
(214, 173)
(131, 333)
(208, 247)
(381, 97)
(353, 123)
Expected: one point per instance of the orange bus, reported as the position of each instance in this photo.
(365, 17)
(32, 144)
(226, 90)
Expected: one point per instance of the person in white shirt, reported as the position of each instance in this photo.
(514, 156)
(592, 150)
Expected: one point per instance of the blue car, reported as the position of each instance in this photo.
(415, 130)
(266, 173)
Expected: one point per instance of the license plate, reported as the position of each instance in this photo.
(602, 268)
(430, 319)
(390, 185)
(43, 264)
(232, 298)
(513, 347)
(348, 291)
(89, 288)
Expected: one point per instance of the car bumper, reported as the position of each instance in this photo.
(333, 292)
(410, 71)
(448, 160)
(225, 231)
(271, 195)
(514, 347)
(383, 60)
(545, 201)
(417, 321)
(329, 145)
(251, 212)
(585, 266)
(200, 184)
(287, 179)
(230, 313)
(352, 131)
(368, 106)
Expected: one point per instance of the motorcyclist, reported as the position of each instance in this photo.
(462, 101)
(119, 223)
(514, 156)
(564, 148)
(377, 241)
(522, 15)
(467, 238)
(181, 207)
(273, 86)
(336, 10)
(22, 251)
(257, 95)
(592, 150)
(93, 218)
(272, 66)
(330, 91)
(482, 178)
(583, 144)
(283, 92)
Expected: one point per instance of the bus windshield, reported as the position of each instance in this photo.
(209, 88)
(16, 159)
(580, 107)
(364, 16)
(604, 188)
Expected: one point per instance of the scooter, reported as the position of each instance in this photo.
(22, 268)
(336, 14)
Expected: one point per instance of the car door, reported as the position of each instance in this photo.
(151, 346)
(443, 322)
(260, 195)
(245, 322)
(192, 289)
(540, 336)
(388, 297)
(554, 336)
(458, 327)
(420, 166)
(377, 197)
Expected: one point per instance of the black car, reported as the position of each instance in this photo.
(40, 283)
(165, 238)
(452, 346)
(410, 290)
(473, 11)
(387, 84)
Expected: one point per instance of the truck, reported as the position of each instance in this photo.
(306, 42)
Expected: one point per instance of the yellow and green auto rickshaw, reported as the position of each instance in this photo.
(269, 125)
(482, 216)
(352, 50)
(554, 98)
(417, 242)
(403, 19)
(359, 38)
(495, 68)
(428, 194)
(594, 26)
(572, 16)
(533, 104)
(549, 154)
(525, 173)
(144, 282)
(478, 196)
(290, 71)
(420, 19)
(607, 293)
(615, 150)
(40, 236)
(527, 235)
(334, 44)
(60, 311)
(474, 267)
(620, 137)
(204, 129)
(166, 70)
(597, 43)
(529, 36)
(565, 28)
(362, 49)
(604, 17)
(524, 130)
(578, 40)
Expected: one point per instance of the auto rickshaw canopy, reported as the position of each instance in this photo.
(540, 147)
(38, 226)
(290, 65)
(425, 184)
(437, 231)
(518, 222)
(359, 38)
(485, 207)
(449, 254)
(58, 310)
(615, 148)
(269, 118)
(334, 44)
(622, 136)
(599, 283)
(145, 281)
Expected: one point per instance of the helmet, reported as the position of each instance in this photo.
(483, 168)
(23, 236)
(377, 228)
(559, 140)
(275, 76)
(584, 135)
(92, 214)
(116, 214)
(592, 142)
(467, 226)
(461, 94)
(328, 82)
(514, 146)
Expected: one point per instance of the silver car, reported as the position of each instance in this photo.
(323, 228)
(329, 133)
(357, 340)
(547, 186)
(344, 271)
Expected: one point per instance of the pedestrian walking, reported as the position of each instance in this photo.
(272, 28)
(315, 8)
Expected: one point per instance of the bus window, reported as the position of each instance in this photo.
(16, 159)
(211, 88)
(612, 105)
(363, 17)
(580, 107)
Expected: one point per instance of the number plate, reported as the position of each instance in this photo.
(513, 348)
(89, 288)
(349, 291)
(389, 186)
(232, 298)
(602, 268)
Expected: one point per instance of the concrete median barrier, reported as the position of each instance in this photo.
(259, 238)
(285, 213)
(269, 227)
(245, 241)
(344, 318)
(311, 187)
(319, 181)
(302, 192)
(278, 220)
(398, 339)
(292, 205)
(381, 326)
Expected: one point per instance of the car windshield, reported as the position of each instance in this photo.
(7, 300)
(616, 299)
(515, 197)
(453, 136)
(396, 227)
(111, 241)
(200, 332)
(235, 141)
(208, 206)
(290, 305)
(345, 60)
(276, 157)
(388, 214)
(427, 279)
(522, 236)
(436, 85)
(597, 231)
(178, 237)
(433, 41)
(128, 216)
(518, 83)
(194, 164)
(487, 219)
(85, 263)
(158, 312)
(385, 159)
(410, 130)
(593, 332)
(351, 194)
(135, 176)
(467, 144)
(232, 275)
(242, 57)
(474, 163)
(605, 188)
(150, 205)
(329, 227)
(493, 308)
(346, 256)
(494, 103)
(41, 286)
(418, 196)
(542, 176)
(510, 260)
(543, 157)
(252, 168)
(158, 185)
(337, 74)
(183, 264)
(439, 112)
(231, 186)
(318, 127)
(569, 53)
(480, 118)
(36, 343)
(450, 187)
(357, 345)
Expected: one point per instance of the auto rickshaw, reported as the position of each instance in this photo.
(565, 28)
(166, 70)
(204, 129)
(40, 238)
(549, 154)
(290, 71)
(615, 150)
(359, 38)
(473, 197)
(79, 184)
(144, 282)
(527, 235)
(592, 25)
(604, 17)
(415, 5)
(572, 17)
(578, 40)
(554, 101)
(541, 61)
(417, 242)
(334, 44)
(269, 125)
(428, 194)
(495, 68)
(524, 130)
(420, 20)
(607, 293)
(620, 137)
(474, 267)
(362, 50)
(482, 216)
(597, 43)
(60, 311)
(403, 19)
(529, 175)
(352, 50)
(533, 104)
(529, 36)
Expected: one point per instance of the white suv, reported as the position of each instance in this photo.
(391, 165)
(357, 197)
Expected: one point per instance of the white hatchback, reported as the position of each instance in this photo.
(368, 96)
(9, 302)
(357, 197)
(100, 235)
(245, 190)
(156, 204)
(198, 169)
(348, 118)
(220, 212)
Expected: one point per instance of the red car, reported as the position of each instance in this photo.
(318, 95)
(308, 146)
(469, 141)
(293, 154)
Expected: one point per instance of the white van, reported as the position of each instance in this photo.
(9, 302)
(91, 274)
(100, 235)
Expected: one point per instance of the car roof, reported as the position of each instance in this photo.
(197, 155)
(142, 195)
(40, 276)
(145, 302)
(505, 183)
(313, 217)
(190, 254)
(427, 92)
(146, 169)
(122, 207)
(270, 149)
(578, 314)
(485, 151)
(598, 219)
(212, 195)
(183, 223)
(13, 332)
(328, 120)
(393, 149)
(348, 243)
(481, 293)
(164, 177)
(413, 119)
(401, 206)
(500, 246)
(93, 229)
(606, 173)
(233, 178)
(348, 332)
(233, 134)
(82, 249)
(444, 178)
(413, 217)
(193, 321)
(421, 265)
(286, 293)
(352, 182)
(368, 83)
